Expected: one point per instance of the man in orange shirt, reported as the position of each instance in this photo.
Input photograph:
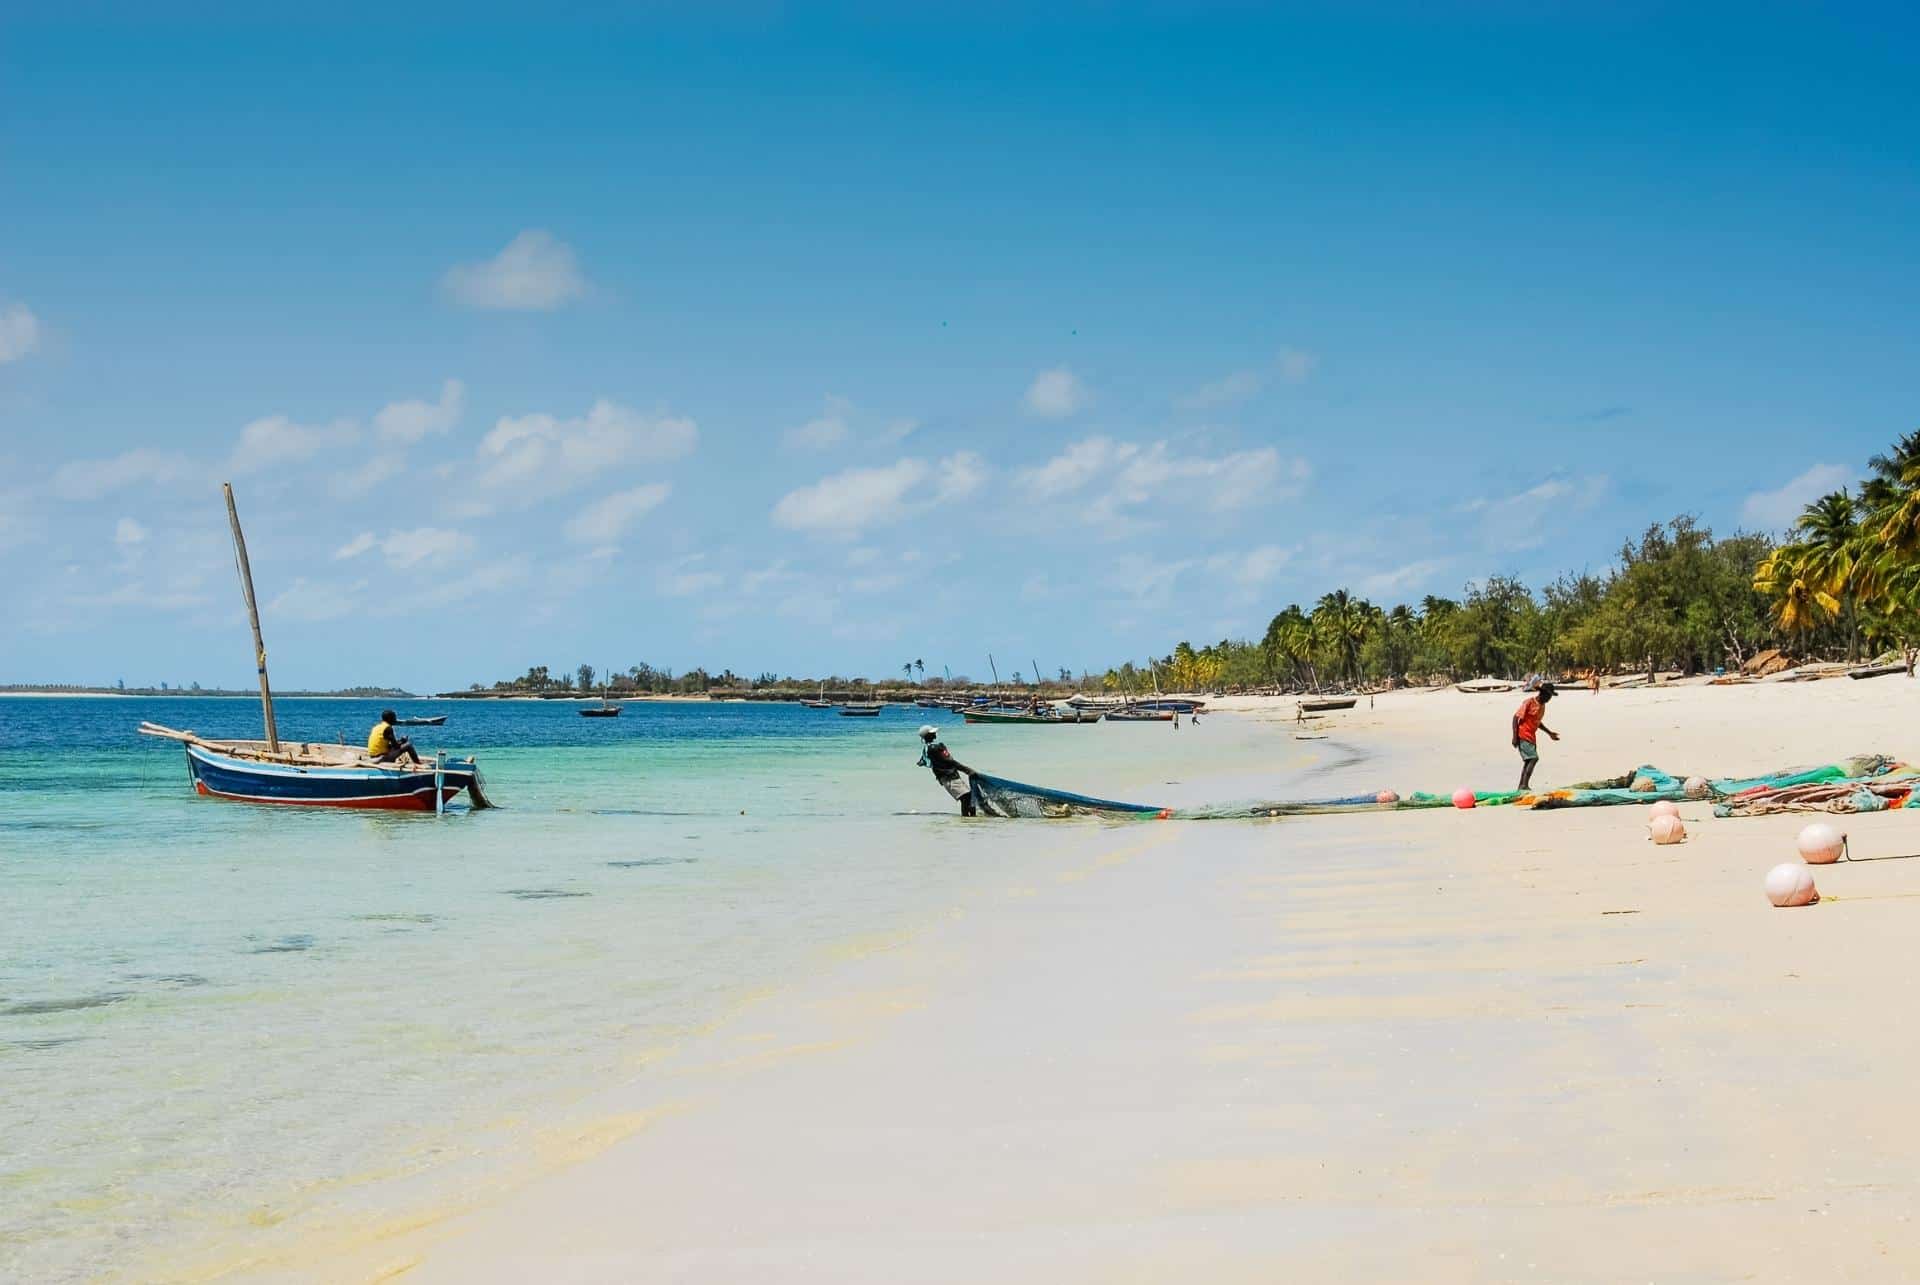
(1528, 722)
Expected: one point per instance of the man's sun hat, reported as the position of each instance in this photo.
(929, 729)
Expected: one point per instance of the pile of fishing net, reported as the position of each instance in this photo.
(1863, 783)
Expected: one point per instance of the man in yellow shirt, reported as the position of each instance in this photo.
(388, 746)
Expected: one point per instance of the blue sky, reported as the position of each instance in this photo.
(821, 338)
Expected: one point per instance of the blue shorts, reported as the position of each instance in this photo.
(1529, 752)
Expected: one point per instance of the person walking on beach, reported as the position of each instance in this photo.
(384, 745)
(949, 771)
(1528, 722)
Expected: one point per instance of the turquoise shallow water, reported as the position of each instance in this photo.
(217, 1018)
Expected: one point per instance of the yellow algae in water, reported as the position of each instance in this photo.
(576, 1143)
(869, 945)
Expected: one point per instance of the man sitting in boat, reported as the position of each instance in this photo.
(384, 745)
(948, 770)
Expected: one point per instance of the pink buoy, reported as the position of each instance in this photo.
(1821, 844)
(1667, 829)
(1463, 797)
(1386, 796)
(1665, 808)
(1697, 787)
(1791, 884)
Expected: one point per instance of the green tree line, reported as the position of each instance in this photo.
(1844, 582)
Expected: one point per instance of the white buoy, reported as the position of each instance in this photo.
(1667, 829)
(1791, 884)
(1665, 808)
(1821, 844)
(1697, 787)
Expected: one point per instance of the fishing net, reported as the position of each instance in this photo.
(996, 797)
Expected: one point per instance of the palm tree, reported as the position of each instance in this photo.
(1342, 622)
(1801, 600)
(921, 666)
(1830, 553)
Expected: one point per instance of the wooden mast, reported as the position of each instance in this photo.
(253, 618)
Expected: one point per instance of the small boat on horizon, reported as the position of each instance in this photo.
(434, 720)
(857, 709)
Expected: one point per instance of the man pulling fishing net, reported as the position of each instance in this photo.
(948, 770)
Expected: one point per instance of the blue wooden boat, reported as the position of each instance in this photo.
(311, 774)
(321, 775)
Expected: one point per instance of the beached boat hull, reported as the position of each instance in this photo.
(392, 788)
(1141, 716)
(1072, 718)
(1323, 706)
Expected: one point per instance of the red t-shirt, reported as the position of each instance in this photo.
(1527, 721)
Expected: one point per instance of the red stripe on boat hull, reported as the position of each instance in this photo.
(387, 803)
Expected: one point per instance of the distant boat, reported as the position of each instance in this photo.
(1324, 704)
(433, 721)
(822, 703)
(1096, 702)
(1172, 704)
(1135, 714)
(1047, 714)
(870, 709)
(606, 709)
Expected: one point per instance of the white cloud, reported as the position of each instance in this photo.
(959, 475)
(827, 429)
(1253, 568)
(144, 596)
(772, 574)
(686, 578)
(274, 440)
(93, 479)
(605, 520)
(424, 547)
(421, 547)
(317, 600)
(542, 455)
(1296, 366)
(1228, 390)
(491, 577)
(1400, 579)
(410, 420)
(129, 533)
(1519, 522)
(19, 332)
(1074, 467)
(847, 503)
(1055, 394)
(536, 272)
(1133, 475)
(1776, 510)
(897, 430)
(370, 473)
(1147, 581)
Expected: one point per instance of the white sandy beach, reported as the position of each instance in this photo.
(1494, 1045)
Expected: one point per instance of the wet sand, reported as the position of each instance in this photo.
(1442, 1046)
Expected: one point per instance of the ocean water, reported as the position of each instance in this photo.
(220, 1022)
